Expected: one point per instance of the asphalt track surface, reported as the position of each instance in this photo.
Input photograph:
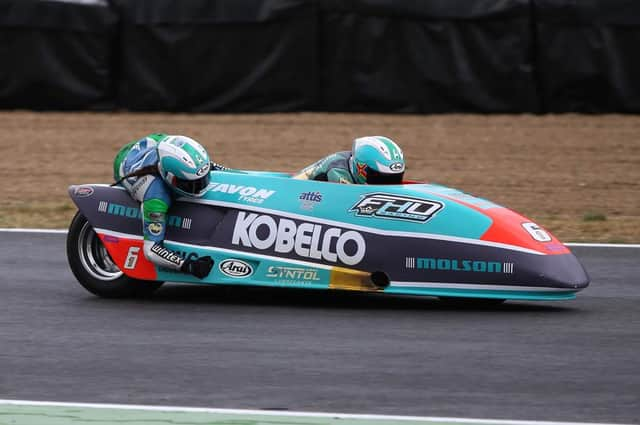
(321, 351)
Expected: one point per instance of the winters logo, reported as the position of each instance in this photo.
(308, 240)
(384, 205)
(235, 268)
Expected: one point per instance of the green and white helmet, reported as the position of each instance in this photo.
(184, 165)
(376, 160)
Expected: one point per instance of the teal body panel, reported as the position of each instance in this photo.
(454, 219)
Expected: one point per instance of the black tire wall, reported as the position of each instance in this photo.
(418, 56)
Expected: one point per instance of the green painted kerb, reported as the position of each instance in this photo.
(59, 415)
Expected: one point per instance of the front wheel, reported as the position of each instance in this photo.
(92, 265)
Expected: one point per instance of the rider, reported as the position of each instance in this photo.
(154, 170)
(371, 160)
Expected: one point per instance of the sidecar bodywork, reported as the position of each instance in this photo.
(264, 228)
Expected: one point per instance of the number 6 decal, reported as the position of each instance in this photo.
(536, 232)
(132, 258)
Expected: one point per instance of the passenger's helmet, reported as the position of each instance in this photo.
(184, 165)
(376, 160)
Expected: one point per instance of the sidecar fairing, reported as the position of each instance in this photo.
(266, 229)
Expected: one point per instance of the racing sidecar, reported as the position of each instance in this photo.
(264, 228)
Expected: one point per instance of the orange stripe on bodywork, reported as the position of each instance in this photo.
(120, 248)
(507, 228)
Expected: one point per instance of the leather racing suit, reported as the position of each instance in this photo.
(154, 195)
(333, 168)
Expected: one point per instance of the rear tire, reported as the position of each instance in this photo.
(95, 270)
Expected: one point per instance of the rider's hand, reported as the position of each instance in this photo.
(199, 267)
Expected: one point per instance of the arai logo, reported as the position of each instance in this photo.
(397, 167)
(235, 268)
(308, 240)
(203, 170)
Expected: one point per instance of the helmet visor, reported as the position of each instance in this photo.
(376, 177)
(194, 187)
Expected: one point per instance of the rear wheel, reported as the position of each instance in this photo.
(92, 265)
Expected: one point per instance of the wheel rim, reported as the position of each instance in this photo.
(94, 256)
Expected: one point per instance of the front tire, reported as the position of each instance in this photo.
(92, 265)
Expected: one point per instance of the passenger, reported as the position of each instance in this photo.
(154, 170)
(371, 160)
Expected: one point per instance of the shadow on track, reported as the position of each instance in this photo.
(172, 294)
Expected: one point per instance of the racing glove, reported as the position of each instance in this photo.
(199, 267)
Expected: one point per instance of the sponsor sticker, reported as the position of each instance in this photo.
(396, 207)
(397, 167)
(456, 265)
(309, 199)
(155, 228)
(309, 240)
(111, 239)
(555, 247)
(83, 191)
(135, 213)
(235, 268)
(156, 216)
(164, 253)
(291, 275)
(248, 194)
(203, 170)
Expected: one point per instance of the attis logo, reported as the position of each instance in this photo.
(235, 268)
(83, 191)
(309, 199)
(384, 205)
(311, 196)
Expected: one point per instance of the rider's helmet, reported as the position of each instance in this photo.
(376, 160)
(184, 165)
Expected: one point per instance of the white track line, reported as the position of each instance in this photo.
(604, 245)
(19, 230)
(289, 413)
(578, 244)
